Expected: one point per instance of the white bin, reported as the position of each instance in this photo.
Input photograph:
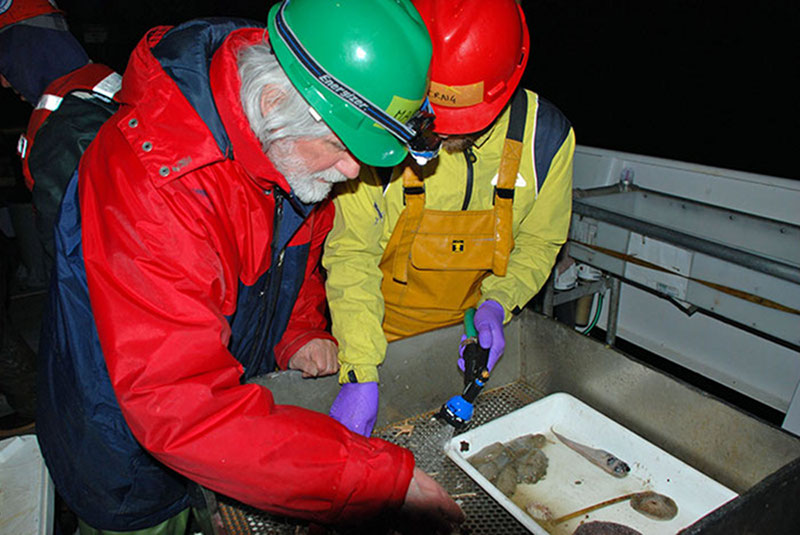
(26, 490)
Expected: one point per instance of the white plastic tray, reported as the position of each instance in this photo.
(26, 492)
(573, 483)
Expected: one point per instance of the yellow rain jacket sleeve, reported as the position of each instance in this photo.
(353, 251)
(367, 211)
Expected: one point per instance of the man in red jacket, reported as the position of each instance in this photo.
(187, 261)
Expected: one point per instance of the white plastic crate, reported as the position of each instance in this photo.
(26, 491)
(573, 483)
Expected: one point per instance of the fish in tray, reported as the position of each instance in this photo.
(605, 460)
(515, 462)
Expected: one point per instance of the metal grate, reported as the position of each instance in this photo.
(425, 438)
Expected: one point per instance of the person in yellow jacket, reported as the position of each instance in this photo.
(412, 248)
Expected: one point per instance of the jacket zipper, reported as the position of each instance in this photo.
(269, 294)
(470, 157)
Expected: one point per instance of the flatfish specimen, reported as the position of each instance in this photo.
(604, 528)
(609, 462)
(654, 505)
(650, 504)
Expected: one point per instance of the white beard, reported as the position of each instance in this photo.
(309, 188)
(314, 188)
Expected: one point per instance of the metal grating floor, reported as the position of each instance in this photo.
(484, 515)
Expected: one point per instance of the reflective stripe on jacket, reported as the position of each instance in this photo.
(64, 123)
(93, 79)
(367, 211)
(183, 268)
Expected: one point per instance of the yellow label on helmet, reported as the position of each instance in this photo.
(456, 96)
(402, 109)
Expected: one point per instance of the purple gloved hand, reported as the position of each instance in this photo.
(461, 347)
(489, 324)
(356, 407)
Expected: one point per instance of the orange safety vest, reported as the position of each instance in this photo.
(13, 11)
(435, 260)
(94, 77)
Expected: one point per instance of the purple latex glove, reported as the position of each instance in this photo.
(489, 324)
(356, 407)
(461, 347)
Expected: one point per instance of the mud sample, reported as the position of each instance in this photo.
(526, 443)
(532, 466)
(506, 481)
(604, 528)
(518, 461)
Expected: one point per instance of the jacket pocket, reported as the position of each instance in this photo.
(454, 241)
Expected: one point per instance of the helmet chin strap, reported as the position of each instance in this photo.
(417, 134)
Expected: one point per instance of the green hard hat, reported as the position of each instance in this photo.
(357, 63)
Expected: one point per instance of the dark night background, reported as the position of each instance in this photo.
(707, 82)
(711, 82)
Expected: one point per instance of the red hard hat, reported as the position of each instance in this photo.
(480, 50)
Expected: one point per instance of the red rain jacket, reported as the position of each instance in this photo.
(170, 226)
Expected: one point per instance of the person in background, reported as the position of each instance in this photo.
(187, 262)
(480, 226)
(47, 67)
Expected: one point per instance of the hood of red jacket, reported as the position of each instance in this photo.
(184, 85)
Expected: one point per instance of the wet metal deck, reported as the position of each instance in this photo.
(541, 357)
(484, 515)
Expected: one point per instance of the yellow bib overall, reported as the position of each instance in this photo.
(435, 260)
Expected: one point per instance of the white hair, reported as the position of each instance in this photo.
(287, 121)
(290, 117)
